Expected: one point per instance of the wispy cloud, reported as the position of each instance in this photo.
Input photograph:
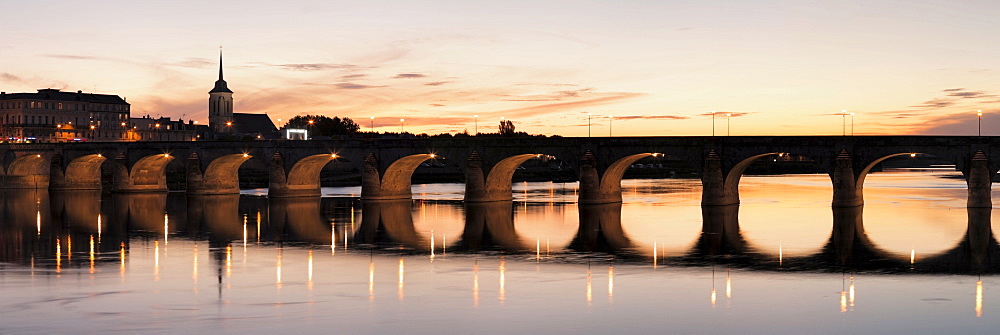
(195, 63)
(355, 86)
(10, 78)
(935, 103)
(76, 57)
(353, 76)
(316, 66)
(410, 75)
(652, 117)
(436, 83)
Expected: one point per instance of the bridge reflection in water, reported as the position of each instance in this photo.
(40, 224)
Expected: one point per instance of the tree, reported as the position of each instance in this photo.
(324, 125)
(506, 128)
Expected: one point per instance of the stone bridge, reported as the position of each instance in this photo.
(387, 165)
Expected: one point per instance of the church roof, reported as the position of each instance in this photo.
(246, 123)
(220, 85)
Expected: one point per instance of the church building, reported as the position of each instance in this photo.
(223, 121)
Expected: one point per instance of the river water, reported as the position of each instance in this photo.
(912, 260)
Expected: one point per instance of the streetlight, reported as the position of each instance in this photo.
(713, 123)
(475, 123)
(588, 123)
(611, 118)
(728, 116)
(980, 113)
(843, 122)
(401, 126)
(852, 124)
(372, 126)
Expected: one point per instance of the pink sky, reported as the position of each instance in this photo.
(659, 68)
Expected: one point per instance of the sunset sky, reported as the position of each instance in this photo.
(658, 67)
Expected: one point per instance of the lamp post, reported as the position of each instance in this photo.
(843, 122)
(728, 116)
(852, 124)
(475, 124)
(588, 123)
(372, 125)
(980, 114)
(713, 123)
(401, 121)
(611, 118)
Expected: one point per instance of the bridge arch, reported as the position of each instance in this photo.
(609, 189)
(82, 173)
(303, 180)
(395, 182)
(27, 171)
(148, 174)
(221, 176)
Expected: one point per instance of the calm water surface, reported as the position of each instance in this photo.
(912, 260)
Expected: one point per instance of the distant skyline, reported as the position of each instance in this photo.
(660, 68)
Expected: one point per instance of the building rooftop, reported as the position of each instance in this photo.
(52, 94)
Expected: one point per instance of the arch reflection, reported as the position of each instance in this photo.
(388, 222)
(601, 230)
(720, 233)
(977, 252)
(490, 226)
(302, 218)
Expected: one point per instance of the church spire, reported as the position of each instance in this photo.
(220, 85)
(220, 63)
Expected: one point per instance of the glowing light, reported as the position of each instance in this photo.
(850, 292)
(913, 155)
(277, 270)
(156, 260)
(843, 301)
(310, 270)
(781, 254)
(913, 255)
(400, 287)
(371, 281)
(538, 249)
(333, 155)
(38, 155)
(475, 284)
(654, 255)
(590, 289)
(432, 244)
(166, 155)
(611, 283)
(58, 257)
(229, 263)
(99, 155)
(503, 280)
(979, 298)
(121, 257)
(729, 285)
(91, 254)
(194, 266)
(432, 155)
(38, 221)
(166, 229)
(245, 155)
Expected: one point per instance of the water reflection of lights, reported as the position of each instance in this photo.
(850, 293)
(58, 257)
(503, 279)
(166, 229)
(98, 228)
(913, 254)
(654, 254)
(781, 254)
(400, 287)
(309, 278)
(38, 221)
(371, 280)
(475, 284)
(432, 244)
(538, 250)
(194, 266)
(611, 283)
(278, 270)
(979, 298)
(244, 232)
(729, 285)
(258, 227)
(333, 239)
(91, 254)
(229, 263)
(712, 297)
(156, 260)
(590, 289)
(121, 256)
(69, 247)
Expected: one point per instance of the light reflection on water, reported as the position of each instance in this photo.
(169, 263)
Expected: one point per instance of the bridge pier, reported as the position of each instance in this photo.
(395, 183)
(301, 181)
(590, 182)
(82, 173)
(714, 189)
(846, 190)
(979, 182)
(475, 179)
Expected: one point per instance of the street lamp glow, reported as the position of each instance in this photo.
(728, 116)
(475, 123)
(980, 114)
(852, 124)
(713, 123)
(401, 121)
(611, 118)
(588, 123)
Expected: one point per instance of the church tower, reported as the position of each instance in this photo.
(220, 105)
